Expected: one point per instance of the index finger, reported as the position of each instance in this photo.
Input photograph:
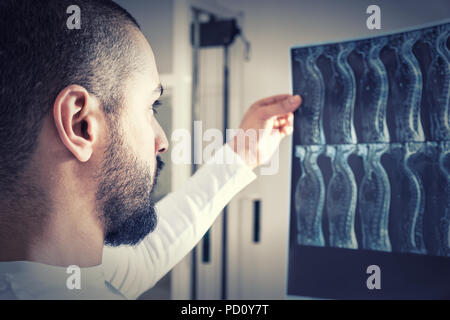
(272, 99)
(279, 105)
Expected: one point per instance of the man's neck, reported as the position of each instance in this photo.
(67, 238)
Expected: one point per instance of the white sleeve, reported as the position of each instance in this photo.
(184, 216)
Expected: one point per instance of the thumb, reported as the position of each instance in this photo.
(281, 107)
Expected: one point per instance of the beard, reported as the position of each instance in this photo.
(124, 195)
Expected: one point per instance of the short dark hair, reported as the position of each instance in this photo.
(40, 56)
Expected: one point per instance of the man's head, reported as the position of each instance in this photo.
(76, 109)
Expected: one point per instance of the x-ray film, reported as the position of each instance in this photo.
(370, 188)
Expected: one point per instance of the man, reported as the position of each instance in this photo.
(79, 157)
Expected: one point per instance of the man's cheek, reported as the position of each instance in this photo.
(143, 135)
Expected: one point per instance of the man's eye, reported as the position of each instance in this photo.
(155, 106)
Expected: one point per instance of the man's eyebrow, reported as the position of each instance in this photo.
(159, 89)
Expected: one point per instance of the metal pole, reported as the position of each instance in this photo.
(194, 115)
(225, 126)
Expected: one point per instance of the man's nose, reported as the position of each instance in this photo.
(161, 143)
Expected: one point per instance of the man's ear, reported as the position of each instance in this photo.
(76, 115)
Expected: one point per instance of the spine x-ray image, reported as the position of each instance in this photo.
(371, 151)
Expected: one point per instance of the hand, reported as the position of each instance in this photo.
(265, 124)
